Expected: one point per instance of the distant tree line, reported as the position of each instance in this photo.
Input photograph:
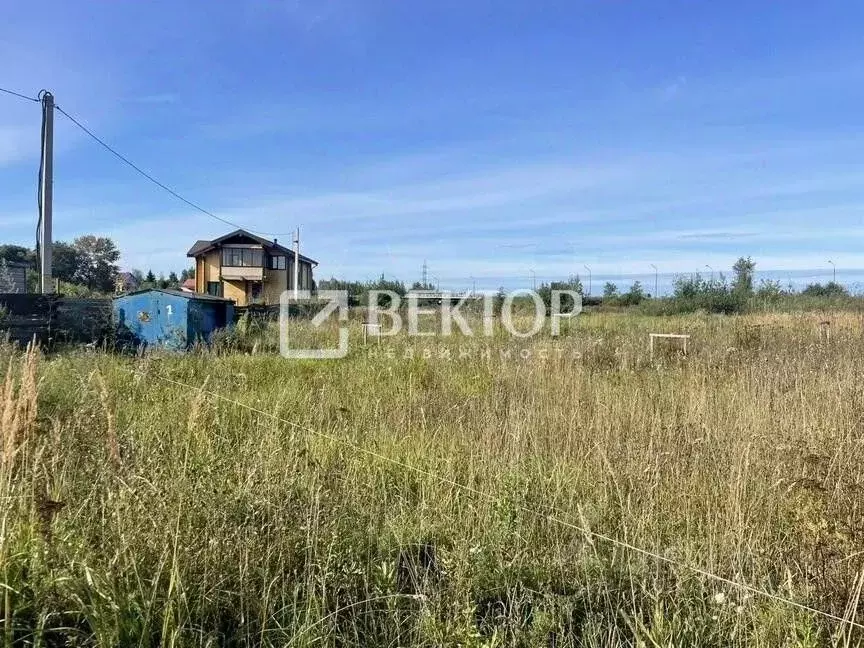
(358, 291)
(694, 292)
(87, 264)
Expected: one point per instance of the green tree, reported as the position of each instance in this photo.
(98, 262)
(18, 254)
(573, 283)
(636, 295)
(419, 285)
(498, 301)
(66, 262)
(150, 278)
(610, 290)
(830, 289)
(355, 289)
(382, 283)
(693, 292)
(743, 270)
(545, 292)
(173, 281)
(770, 290)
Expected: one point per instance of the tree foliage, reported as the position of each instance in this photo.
(573, 284)
(97, 263)
(633, 297)
(88, 262)
(830, 289)
(358, 291)
(17, 254)
(693, 292)
(743, 271)
(66, 262)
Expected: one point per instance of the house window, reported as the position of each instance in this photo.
(277, 262)
(214, 288)
(242, 257)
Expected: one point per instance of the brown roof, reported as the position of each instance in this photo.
(202, 246)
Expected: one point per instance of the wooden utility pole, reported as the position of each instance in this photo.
(46, 192)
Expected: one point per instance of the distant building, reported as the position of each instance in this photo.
(247, 269)
(126, 282)
(188, 286)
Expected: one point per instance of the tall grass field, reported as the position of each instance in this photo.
(567, 491)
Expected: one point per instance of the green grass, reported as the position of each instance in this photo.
(336, 516)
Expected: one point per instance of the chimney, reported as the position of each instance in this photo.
(275, 240)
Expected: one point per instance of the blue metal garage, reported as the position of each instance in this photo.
(170, 318)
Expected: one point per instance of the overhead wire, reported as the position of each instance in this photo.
(19, 95)
(36, 99)
(155, 181)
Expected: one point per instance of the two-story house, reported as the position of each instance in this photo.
(247, 269)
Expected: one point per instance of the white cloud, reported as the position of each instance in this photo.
(162, 98)
(673, 88)
(18, 143)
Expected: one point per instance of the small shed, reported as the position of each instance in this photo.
(18, 273)
(170, 318)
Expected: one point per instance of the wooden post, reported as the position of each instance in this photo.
(675, 336)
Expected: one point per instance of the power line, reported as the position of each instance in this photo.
(550, 516)
(19, 95)
(149, 177)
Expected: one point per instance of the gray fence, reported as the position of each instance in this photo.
(54, 320)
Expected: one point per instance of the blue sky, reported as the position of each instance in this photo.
(489, 138)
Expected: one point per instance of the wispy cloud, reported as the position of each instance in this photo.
(673, 88)
(711, 236)
(16, 144)
(150, 99)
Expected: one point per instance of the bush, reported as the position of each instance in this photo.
(831, 289)
(693, 293)
(633, 297)
(770, 290)
(248, 335)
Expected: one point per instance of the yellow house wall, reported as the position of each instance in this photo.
(275, 283)
(212, 263)
(200, 286)
(234, 290)
(207, 268)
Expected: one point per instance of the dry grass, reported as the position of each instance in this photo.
(191, 521)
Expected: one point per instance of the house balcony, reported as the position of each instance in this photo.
(241, 273)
